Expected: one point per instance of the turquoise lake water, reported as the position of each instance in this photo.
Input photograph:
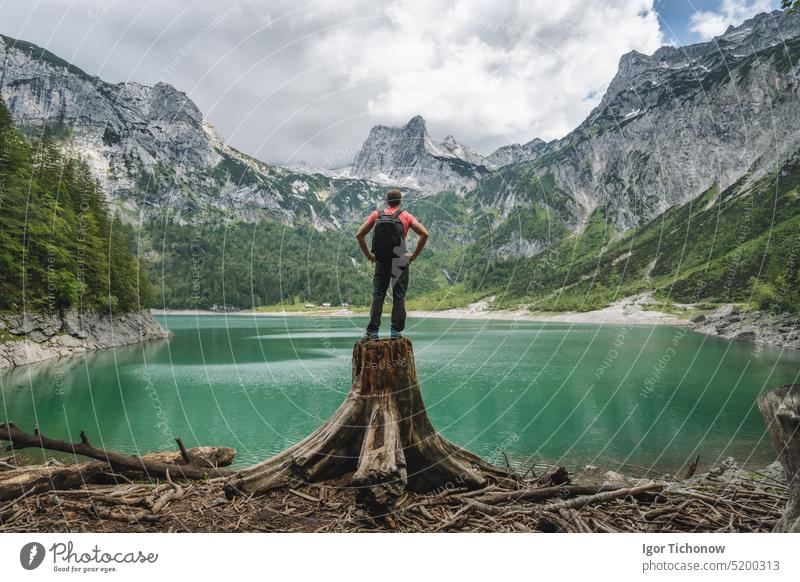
(610, 395)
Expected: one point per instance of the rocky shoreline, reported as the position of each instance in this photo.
(760, 327)
(33, 337)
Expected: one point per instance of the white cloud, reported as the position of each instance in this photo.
(492, 72)
(708, 24)
(306, 79)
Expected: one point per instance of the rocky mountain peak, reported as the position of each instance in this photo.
(408, 156)
(167, 103)
(677, 102)
(417, 126)
(152, 150)
(765, 30)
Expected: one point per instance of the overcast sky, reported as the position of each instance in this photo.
(303, 81)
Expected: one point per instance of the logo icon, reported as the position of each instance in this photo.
(31, 555)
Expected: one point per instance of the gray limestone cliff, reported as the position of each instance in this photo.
(671, 125)
(33, 337)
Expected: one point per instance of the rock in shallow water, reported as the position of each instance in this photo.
(746, 336)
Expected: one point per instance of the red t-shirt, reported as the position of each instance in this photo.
(406, 218)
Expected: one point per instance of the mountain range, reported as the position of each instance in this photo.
(152, 150)
(671, 127)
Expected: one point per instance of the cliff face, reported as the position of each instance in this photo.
(761, 327)
(124, 131)
(34, 337)
(516, 153)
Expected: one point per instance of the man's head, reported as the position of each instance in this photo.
(393, 197)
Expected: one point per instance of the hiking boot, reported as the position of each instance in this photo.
(369, 336)
(394, 334)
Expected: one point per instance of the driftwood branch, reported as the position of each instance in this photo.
(19, 439)
(579, 502)
(184, 452)
(692, 469)
(24, 480)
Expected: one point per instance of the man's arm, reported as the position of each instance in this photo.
(423, 239)
(363, 230)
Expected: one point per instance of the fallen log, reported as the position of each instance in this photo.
(40, 478)
(503, 502)
(542, 493)
(381, 435)
(781, 411)
(578, 502)
(19, 439)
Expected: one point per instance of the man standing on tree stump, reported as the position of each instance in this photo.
(391, 260)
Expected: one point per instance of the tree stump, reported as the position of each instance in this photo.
(781, 410)
(381, 435)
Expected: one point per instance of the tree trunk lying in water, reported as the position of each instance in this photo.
(381, 434)
(194, 466)
(19, 481)
(781, 411)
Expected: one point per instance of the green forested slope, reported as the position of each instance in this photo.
(59, 245)
(739, 245)
(244, 265)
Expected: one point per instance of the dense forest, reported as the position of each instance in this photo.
(242, 265)
(60, 247)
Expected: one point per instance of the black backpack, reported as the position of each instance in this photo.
(387, 238)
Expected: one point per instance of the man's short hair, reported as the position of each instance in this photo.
(393, 197)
